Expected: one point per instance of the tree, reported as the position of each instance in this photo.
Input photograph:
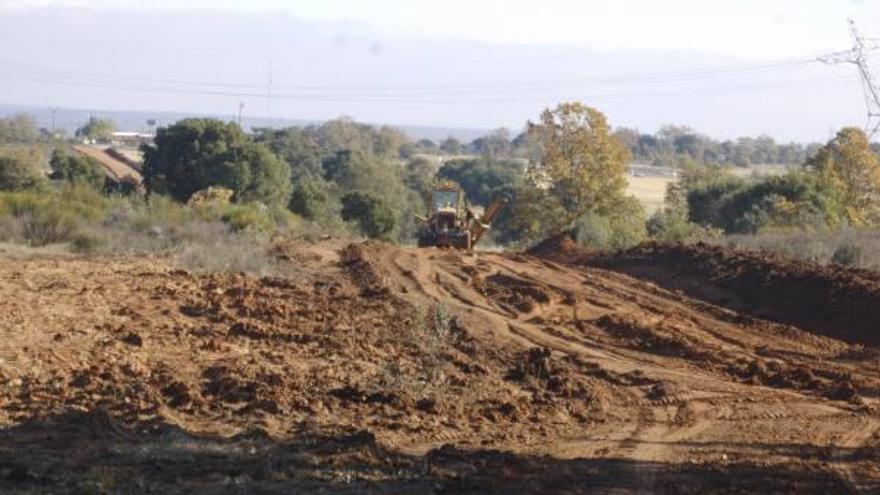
(18, 129)
(452, 146)
(96, 129)
(419, 176)
(581, 169)
(76, 169)
(482, 178)
(492, 145)
(850, 171)
(629, 138)
(311, 198)
(194, 154)
(621, 226)
(373, 216)
(426, 145)
(296, 146)
(21, 168)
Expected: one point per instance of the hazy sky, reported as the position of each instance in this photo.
(724, 67)
(748, 28)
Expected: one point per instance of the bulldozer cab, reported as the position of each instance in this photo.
(448, 200)
(447, 207)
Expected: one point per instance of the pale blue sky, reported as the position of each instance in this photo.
(726, 68)
(746, 28)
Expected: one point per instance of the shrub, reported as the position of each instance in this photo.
(48, 225)
(847, 254)
(671, 226)
(737, 206)
(87, 242)
(622, 226)
(76, 169)
(248, 217)
(194, 154)
(21, 168)
(373, 216)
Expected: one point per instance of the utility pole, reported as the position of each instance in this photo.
(858, 56)
(240, 110)
(269, 91)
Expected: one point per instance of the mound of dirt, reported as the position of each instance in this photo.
(513, 293)
(653, 338)
(830, 300)
(560, 248)
(533, 376)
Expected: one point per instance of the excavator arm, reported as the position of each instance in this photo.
(479, 228)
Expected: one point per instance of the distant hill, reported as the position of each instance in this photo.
(69, 119)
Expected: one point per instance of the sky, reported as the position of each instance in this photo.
(724, 67)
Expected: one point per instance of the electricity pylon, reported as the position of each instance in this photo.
(858, 55)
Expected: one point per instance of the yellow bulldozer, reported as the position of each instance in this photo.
(451, 222)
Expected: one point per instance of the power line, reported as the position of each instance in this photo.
(309, 96)
(435, 90)
(858, 56)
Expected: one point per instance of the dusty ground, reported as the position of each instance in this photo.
(397, 370)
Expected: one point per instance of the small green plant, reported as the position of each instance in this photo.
(250, 217)
(847, 255)
(48, 226)
(87, 242)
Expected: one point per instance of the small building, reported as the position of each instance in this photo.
(132, 139)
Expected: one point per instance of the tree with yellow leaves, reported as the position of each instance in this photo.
(849, 170)
(578, 168)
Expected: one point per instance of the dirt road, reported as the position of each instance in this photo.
(397, 370)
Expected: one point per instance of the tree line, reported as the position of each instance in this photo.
(565, 172)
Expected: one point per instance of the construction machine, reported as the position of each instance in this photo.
(451, 222)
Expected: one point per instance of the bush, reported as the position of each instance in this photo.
(76, 169)
(671, 226)
(48, 225)
(21, 168)
(248, 217)
(737, 206)
(371, 214)
(194, 154)
(622, 226)
(847, 254)
(87, 242)
(52, 216)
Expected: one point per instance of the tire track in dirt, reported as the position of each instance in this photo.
(433, 350)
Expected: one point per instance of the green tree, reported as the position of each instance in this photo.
(374, 218)
(296, 146)
(581, 169)
(482, 178)
(194, 154)
(426, 145)
(620, 226)
(18, 129)
(96, 129)
(452, 146)
(76, 169)
(313, 199)
(419, 176)
(850, 171)
(495, 144)
(21, 168)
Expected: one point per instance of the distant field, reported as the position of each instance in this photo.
(760, 170)
(648, 184)
(651, 191)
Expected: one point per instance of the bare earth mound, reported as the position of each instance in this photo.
(393, 370)
(839, 302)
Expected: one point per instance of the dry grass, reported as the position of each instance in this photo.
(858, 248)
(650, 191)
